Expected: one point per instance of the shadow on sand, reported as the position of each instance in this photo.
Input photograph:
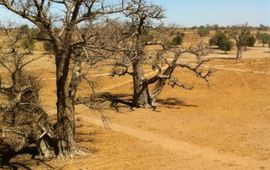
(173, 103)
(24, 159)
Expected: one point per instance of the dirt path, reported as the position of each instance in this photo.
(221, 67)
(207, 154)
(180, 147)
(217, 67)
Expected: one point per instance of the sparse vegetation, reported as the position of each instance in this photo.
(264, 38)
(71, 59)
(14, 54)
(240, 35)
(203, 31)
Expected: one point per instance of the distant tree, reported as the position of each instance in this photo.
(250, 41)
(27, 40)
(194, 27)
(222, 41)
(178, 40)
(14, 53)
(203, 31)
(240, 34)
(216, 27)
(225, 45)
(263, 27)
(264, 38)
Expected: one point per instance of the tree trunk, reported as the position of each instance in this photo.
(239, 53)
(16, 79)
(65, 107)
(141, 97)
(161, 82)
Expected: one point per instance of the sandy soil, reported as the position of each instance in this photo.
(221, 126)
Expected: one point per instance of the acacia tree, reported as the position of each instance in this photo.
(137, 34)
(250, 41)
(60, 25)
(264, 38)
(240, 35)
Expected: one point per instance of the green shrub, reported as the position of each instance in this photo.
(225, 45)
(222, 41)
(250, 41)
(264, 38)
(178, 40)
(26, 37)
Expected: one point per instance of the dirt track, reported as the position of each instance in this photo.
(227, 128)
(177, 146)
(224, 126)
(206, 155)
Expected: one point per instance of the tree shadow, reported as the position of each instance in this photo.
(224, 58)
(124, 101)
(101, 101)
(8, 159)
(173, 102)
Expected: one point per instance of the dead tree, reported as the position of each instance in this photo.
(24, 123)
(59, 25)
(137, 34)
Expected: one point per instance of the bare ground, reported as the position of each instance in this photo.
(223, 126)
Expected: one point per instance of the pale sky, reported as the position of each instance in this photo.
(201, 12)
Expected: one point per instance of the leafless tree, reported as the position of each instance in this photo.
(139, 14)
(61, 25)
(137, 34)
(23, 121)
(15, 55)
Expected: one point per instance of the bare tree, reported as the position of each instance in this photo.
(15, 55)
(139, 13)
(137, 34)
(23, 121)
(60, 25)
(195, 65)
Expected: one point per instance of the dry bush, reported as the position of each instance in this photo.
(24, 122)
